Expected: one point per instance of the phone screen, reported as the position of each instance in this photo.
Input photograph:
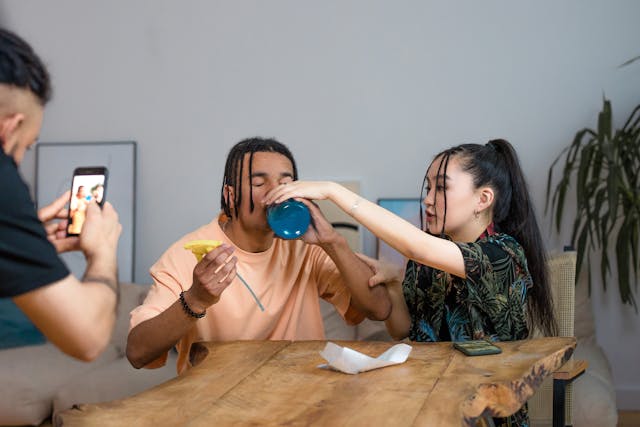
(87, 186)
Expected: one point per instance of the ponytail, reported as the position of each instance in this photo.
(515, 216)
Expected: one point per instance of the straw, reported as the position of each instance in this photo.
(255, 297)
(201, 247)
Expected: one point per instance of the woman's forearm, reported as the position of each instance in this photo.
(399, 233)
(398, 322)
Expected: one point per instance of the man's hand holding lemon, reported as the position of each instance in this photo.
(215, 270)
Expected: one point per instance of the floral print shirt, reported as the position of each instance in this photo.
(489, 303)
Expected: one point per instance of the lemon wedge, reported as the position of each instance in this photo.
(201, 247)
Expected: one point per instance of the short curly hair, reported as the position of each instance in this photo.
(21, 67)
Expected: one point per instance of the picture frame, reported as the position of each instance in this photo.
(406, 208)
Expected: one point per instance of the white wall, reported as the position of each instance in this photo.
(358, 89)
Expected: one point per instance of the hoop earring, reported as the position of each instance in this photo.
(476, 214)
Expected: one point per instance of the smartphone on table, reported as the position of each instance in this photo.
(477, 347)
(89, 184)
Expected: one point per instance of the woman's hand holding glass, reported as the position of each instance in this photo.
(312, 190)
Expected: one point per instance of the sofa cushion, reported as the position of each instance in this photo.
(31, 377)
(584, 329)
(115, 380)
(372, 330)
(594, 400)
(16, 330)
(335, 327)
(131, 296)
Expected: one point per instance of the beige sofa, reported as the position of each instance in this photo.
(39, 381)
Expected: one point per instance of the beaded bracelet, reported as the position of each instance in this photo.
(188, 310)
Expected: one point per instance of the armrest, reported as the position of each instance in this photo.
(571, 370)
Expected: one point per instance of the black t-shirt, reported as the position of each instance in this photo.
(27, 259)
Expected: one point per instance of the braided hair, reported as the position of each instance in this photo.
(234, 165)
(496, 165)
(21, 67)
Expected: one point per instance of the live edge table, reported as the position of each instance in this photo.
(280, 383)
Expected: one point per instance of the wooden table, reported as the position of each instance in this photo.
(279, 383)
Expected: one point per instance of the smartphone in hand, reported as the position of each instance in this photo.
(88, 184)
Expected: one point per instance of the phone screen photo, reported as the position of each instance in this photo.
(88, 185)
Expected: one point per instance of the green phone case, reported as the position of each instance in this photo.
(477, 347)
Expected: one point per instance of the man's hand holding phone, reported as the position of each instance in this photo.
(102, 227)
(57, 230)
(97, 229)
(101, 231)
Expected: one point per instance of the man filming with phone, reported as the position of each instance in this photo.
(75, 315)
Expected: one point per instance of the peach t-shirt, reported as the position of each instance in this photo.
(288, 278)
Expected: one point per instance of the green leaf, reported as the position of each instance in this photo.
(605, 267)
(634, 245)
(622, 255)
(549, 180)
(633, 122)
(577, 222)
(612, 196)
(603, 230)
(581, 247)
(632, 60)
(589, 275)
(597, 165)
(583, 173)
(604, 122)
(561, 193)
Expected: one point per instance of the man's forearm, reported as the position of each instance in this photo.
(372, 301)
(102, 269)
(154, 337)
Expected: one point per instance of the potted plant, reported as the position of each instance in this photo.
(606, 166)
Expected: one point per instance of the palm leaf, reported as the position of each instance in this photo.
(622, 254)
(583, 173)
(581, 246)
(634, 246)
(604, 122)
(624, 64)
(606, 166)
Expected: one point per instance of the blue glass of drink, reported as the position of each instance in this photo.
(289, 219)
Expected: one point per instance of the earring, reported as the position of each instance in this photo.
(476, 214)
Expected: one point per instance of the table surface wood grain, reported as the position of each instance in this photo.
(280, 383)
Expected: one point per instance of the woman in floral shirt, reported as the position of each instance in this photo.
(479, 270)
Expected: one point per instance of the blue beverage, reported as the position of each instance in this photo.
(289, 219)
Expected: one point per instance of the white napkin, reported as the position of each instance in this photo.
(349, 361)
